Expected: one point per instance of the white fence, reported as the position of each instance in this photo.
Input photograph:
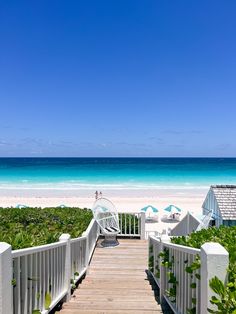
(38, 278)
(132, 225)
(183, 273)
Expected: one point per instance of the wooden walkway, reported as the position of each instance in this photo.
(116, 283)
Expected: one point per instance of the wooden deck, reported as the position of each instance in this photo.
(116, 283)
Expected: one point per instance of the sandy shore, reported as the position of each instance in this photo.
(125, 200)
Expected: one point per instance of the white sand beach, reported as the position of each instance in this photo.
(128, 200)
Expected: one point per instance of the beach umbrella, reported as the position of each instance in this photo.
(20, 206)
(172, 209)
(149, 208)
(150, 212)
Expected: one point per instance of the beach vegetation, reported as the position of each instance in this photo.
(28, 227)
(225, 293)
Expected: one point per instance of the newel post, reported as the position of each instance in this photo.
(6, 278)
(142, 226)
(164, 239)
(214, 262)
(67, 280)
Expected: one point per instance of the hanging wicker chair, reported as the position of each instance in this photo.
(106, 215)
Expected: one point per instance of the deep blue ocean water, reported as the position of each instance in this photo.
(116, 172)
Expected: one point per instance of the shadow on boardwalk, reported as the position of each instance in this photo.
(164, 306)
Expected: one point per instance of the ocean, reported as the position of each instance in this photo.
(115, 173)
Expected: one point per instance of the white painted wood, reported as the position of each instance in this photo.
(52, 267)
(183, 256)
(163, 240)
(35, 249)
(6, 299)
(65, 237)
(214, 262)
(142, 231)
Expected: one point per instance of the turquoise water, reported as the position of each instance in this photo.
(116, 172)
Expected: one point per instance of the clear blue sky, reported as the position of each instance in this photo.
(118, 78)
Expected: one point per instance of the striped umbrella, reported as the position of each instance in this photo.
(172, 209)
(149, 208)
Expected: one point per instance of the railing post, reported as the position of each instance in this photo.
(214, 262)
(164, 239)
(142, 226)
(6, 298)
(67, 280)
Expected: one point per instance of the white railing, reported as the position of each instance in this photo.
(38, 275)
(183, 273)
(132, 225)
(38, 278)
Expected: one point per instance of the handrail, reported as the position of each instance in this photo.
(86, 232)
(45, 274)
(183, 273)
(37, 278)
(35, 249)
(181, 248)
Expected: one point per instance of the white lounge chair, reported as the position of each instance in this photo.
(106, 215)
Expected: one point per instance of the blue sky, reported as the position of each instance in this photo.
(118, 78)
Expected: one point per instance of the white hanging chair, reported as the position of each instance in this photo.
(106, 215)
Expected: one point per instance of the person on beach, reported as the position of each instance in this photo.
(100, 194)
(96, 195)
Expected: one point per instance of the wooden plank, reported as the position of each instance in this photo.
(116, 282)
(113, 297)
(120, 292)
(89, 311)
(103, 305)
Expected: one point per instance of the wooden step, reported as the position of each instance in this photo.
(103, 305)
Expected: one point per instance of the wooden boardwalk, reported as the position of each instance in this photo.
(116, 282)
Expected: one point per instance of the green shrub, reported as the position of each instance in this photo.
(29, 227)
(226, 294)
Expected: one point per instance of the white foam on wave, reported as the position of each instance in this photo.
(94, 186)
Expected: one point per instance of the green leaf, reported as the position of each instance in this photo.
(198, 276)
(13, 282)
(214, 300)
(189, 270)
(36, 312)
(191, 311)
(194, 301)
(217, 286)
(48, 300)
(193, 285)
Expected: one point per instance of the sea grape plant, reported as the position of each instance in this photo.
(225, 294)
